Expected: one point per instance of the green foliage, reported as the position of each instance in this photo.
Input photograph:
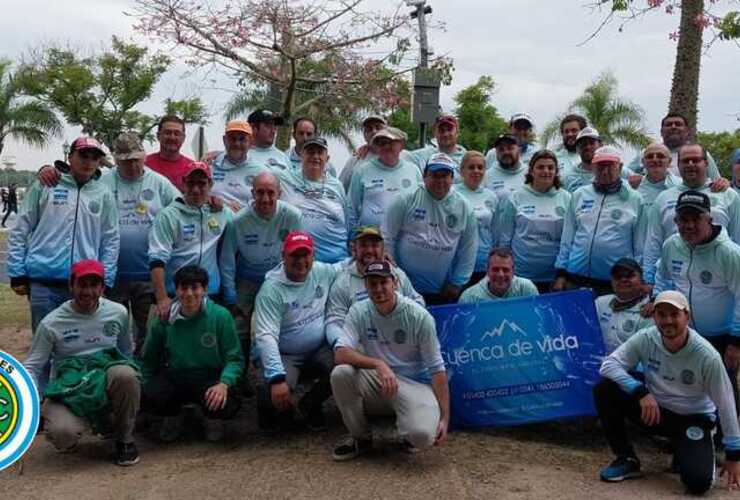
(620, 122)
(480, 122)
(23, 178)
(729, 26)
(22, 118)
(721, 145)
(100, 93)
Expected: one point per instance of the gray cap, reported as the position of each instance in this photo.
(588, 132)
(128, 146)
(391, 133)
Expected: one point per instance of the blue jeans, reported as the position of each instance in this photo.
(45, 299)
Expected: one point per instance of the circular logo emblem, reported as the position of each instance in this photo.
(694, 433)
(19, 410)
(399, 336)
(213, 225)
(147, 195)
(705, 277)
(111, 329)
(628, 325)
(94, 206)
(208, 340)
(319, 292)
(616, 214)
(687, 377)
(451, 220)
(406, 183)
(560, 211)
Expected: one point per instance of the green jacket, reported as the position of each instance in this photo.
(196, 346)
(81, 385)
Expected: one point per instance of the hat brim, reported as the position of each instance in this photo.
(300, 246)
(379, 274)
(692, 206)
(90, 148)
(671, 302)
(130, 156)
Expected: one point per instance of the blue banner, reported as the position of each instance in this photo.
(521, 360)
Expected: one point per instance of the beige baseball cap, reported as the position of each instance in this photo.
(674, 298)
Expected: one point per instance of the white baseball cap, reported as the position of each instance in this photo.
(674, 298)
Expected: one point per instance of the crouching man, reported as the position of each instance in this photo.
(93, 382)
(194, 357)
(686, 386)
(389, 362)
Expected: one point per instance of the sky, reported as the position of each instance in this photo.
(532, 49)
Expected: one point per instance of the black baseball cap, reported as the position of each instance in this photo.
(379, 268)
(265, 116)
(316, 141)
(510, 138)
(628, 264)
(694, 200)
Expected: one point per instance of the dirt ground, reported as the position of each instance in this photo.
(557, 460)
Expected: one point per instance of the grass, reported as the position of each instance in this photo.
(14, 310)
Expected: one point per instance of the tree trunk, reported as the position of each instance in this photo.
(685, 85)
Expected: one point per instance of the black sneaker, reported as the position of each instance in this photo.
(126, 454)
(349, 448)
(620, 469)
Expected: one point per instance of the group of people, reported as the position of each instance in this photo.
(320, 278)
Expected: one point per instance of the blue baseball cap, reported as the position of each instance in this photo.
(440, 162)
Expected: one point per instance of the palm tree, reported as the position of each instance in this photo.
(619, 121)
(22, 118)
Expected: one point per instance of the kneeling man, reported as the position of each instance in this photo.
(389, 362)
(94, 384)
(193, 357)
(686, 386)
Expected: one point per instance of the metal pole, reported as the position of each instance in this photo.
(424, 59)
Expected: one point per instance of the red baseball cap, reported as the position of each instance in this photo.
(296, 240)
(83, 143)
(88, 267)
(448, 119)
(199, 166)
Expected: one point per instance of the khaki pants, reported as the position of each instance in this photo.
(64, 429)
(138, 297)
(357, 393)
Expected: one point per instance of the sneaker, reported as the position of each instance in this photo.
(406, 447)
(349, 448)
(171, 428)
(620, 469)
(214, 430)
(126, 454)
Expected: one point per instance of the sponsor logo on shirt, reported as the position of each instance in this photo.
(372, 334)
(451, 220)
(687, 377)
(111, 329)
(406, 183)
(251, 239)
(93, 206)
(676, 266)
(188, 231)
(213, 225)
(628, 325)
(60, 196)
(319, 292)
(705, 277)
(419, 214)
(560, 211)
(586, 206)
(399, 336)
(147, 194)
(219, 175)
(528, 209)
(616, 214)
(93, 340)
(208, 340)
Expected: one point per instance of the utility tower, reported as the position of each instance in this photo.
(425, 99)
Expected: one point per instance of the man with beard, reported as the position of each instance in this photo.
(576, 175)
(264, 125)
(349, 287)
(674, 130)
(500, 281)
(389, 362)
(604, 222)
(446, 132)
(725, 206)
(567, 152)
(684, 389)
(432, 234)
(89, 339)
(290, 321)
(506, 172)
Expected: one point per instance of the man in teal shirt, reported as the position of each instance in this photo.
(388, 359)
(500, 281)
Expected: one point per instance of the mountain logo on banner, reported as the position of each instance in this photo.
(504, 326)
